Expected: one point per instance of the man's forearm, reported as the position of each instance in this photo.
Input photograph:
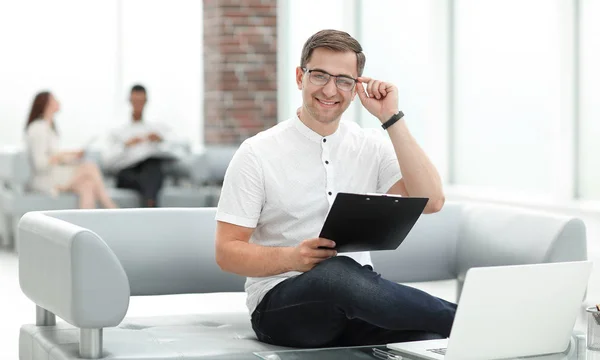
(253, 260)
(419, 175)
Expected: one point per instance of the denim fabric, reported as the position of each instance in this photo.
(341, 303)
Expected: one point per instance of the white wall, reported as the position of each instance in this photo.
(589, 150)
(405, 42)
(513, 95)
(67, 46)
(89, 53)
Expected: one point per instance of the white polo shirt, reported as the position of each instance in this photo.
(283, 181)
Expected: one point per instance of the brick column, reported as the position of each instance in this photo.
(240, 69)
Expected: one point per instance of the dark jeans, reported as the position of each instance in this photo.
(341, 303)
(145, 177)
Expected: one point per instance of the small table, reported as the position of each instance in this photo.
(576, 351)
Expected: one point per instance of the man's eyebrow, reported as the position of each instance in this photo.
(326, 72)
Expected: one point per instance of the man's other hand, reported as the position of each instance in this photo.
(133, 141)
(308, 253)
(154, 137)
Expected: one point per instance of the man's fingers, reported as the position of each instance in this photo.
(362, 95)
(316, 243)
(323, 254)
(370, 88)
(321, 242)
(375, 89)
(383, 89)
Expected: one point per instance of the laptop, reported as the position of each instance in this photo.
(511, 311)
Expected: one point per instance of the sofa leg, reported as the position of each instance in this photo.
(90, 343)
(44, 317)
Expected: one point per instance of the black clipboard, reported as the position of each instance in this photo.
(370, 222)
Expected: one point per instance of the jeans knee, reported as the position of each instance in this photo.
(337, 265)
(336, 273)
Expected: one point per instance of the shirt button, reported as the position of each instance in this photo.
(326, 162)
(324, 140)
(329, 193)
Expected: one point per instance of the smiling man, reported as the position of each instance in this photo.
(278, 189)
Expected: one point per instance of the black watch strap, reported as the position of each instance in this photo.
(392, 120)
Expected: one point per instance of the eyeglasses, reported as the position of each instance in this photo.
(321, 78)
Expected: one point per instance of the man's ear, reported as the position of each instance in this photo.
(299, 76)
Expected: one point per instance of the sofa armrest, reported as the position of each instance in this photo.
(162, 250)
(493, 235)
(71, 272)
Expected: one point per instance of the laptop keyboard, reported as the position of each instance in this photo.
(440, 351)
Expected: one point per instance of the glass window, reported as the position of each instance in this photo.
(405, 42)
(67, 47)
(589, 146)
(512, 98)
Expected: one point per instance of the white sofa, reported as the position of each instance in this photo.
(84, 265)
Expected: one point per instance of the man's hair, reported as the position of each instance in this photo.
(138, 87)
(334, 40)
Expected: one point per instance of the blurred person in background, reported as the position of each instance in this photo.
(134, 151)
(55, 171)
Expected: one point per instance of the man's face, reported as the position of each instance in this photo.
(138, 100)
(326, 103)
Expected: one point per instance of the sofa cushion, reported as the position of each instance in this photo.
(221, 335)
(189, 337)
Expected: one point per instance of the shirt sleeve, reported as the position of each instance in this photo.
(243, 193)
(389, 169)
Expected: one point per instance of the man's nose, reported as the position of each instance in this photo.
(330, 89)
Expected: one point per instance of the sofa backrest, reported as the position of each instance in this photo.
(428, 252)
(173, 250)
(216, 160)
(170, 251)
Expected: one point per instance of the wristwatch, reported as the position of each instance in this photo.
(392, 120)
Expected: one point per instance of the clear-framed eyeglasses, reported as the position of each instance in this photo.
(321, 78)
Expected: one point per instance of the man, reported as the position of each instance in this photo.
(133, 152)
(278, 189)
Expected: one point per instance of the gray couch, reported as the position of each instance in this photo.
(192, 182)
(84, 265)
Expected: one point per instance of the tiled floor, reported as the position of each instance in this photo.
(16, 309)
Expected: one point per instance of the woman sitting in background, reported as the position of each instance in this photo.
(53, 170)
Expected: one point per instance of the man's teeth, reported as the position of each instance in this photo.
(327, 102)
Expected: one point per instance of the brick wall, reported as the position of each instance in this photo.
(240, 69)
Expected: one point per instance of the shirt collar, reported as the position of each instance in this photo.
(310, 134)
